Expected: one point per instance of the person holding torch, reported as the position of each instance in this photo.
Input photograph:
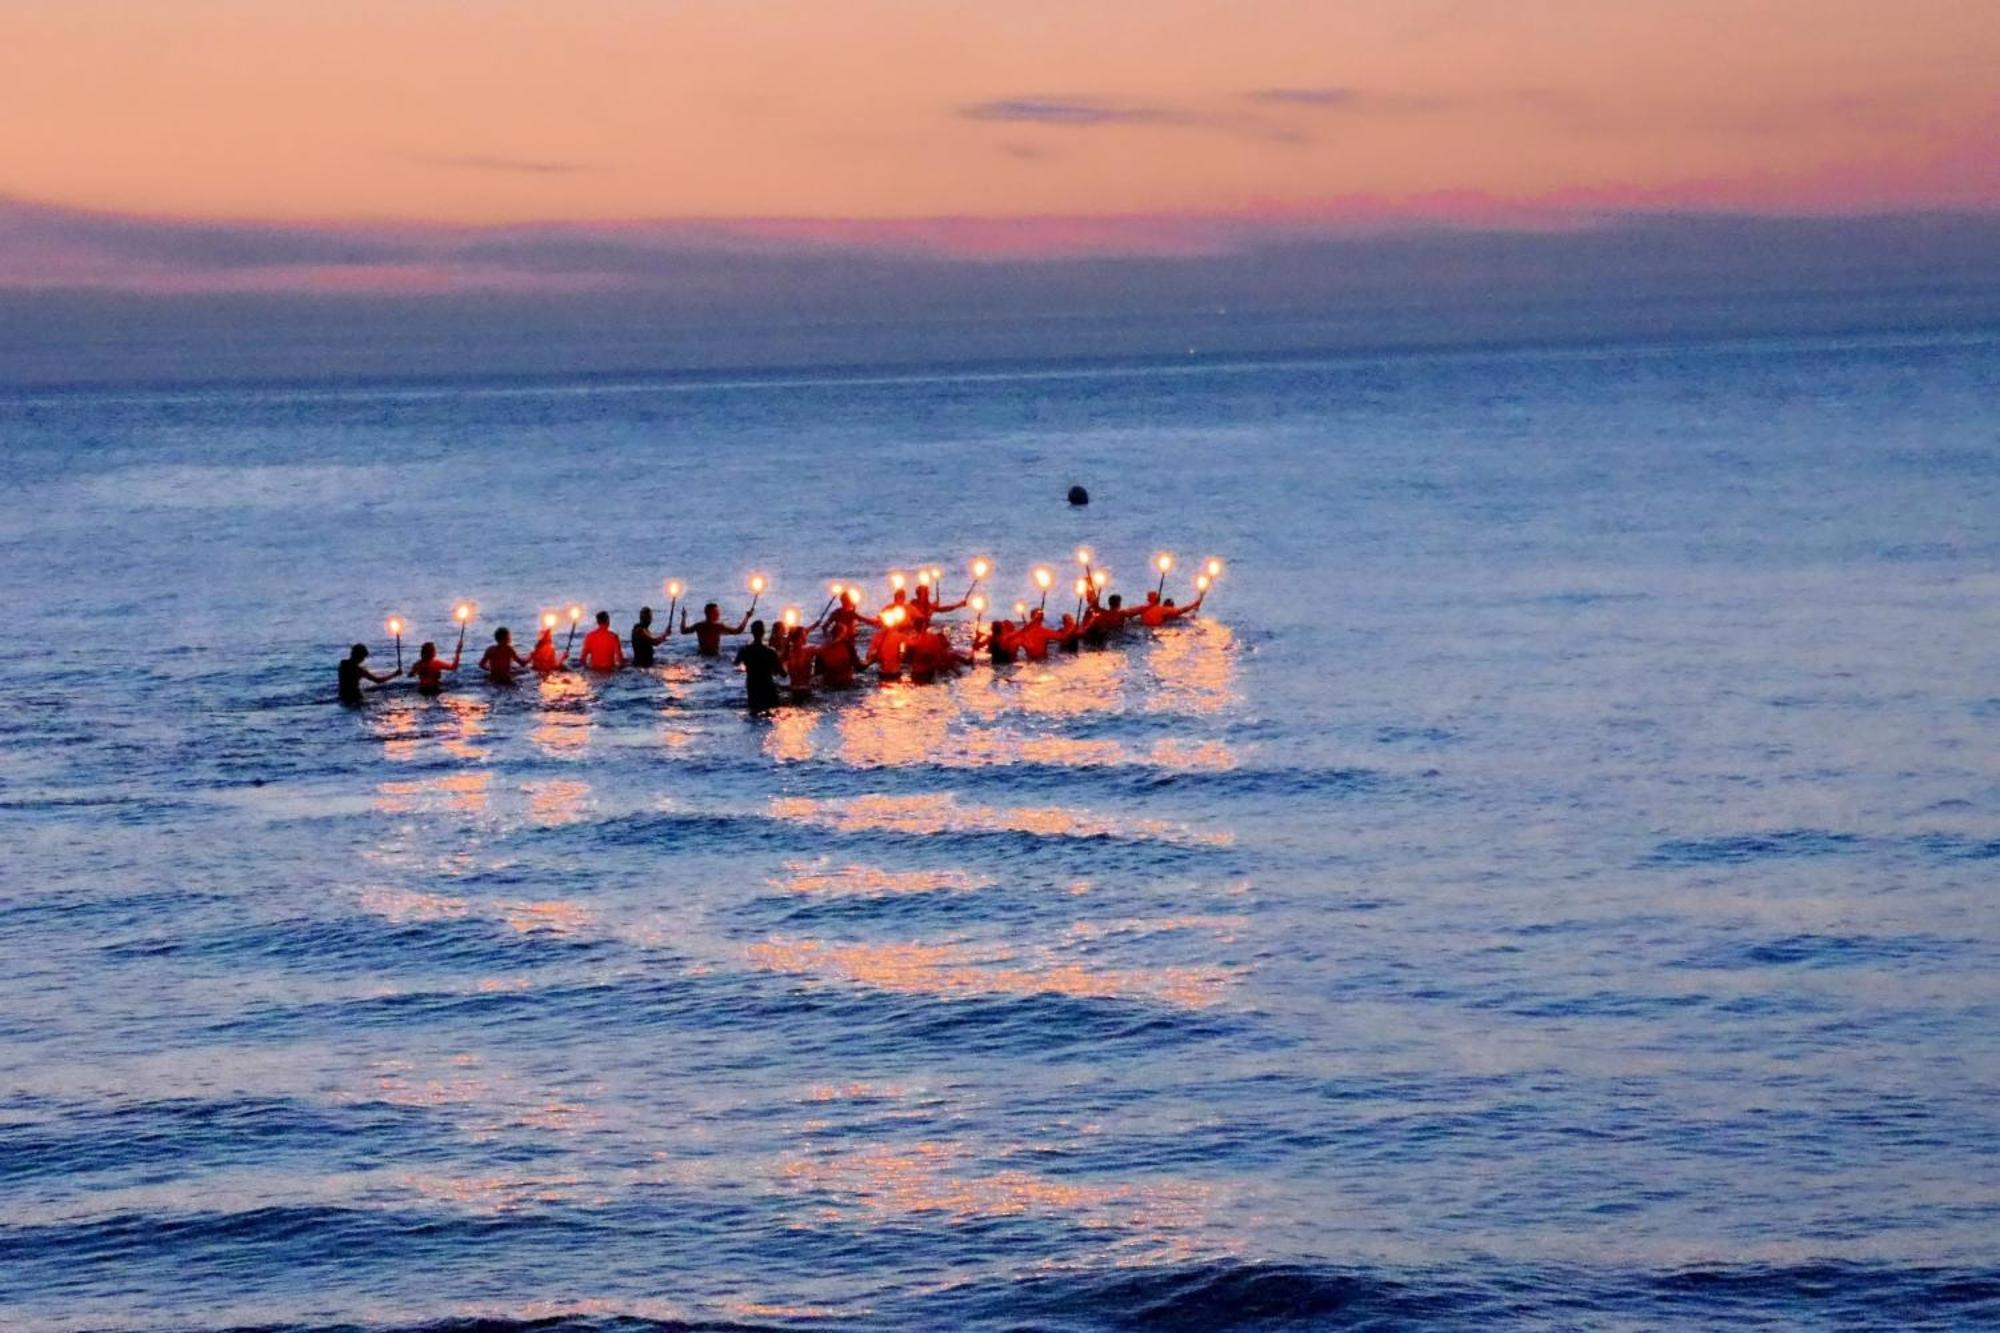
(708, 632)
(545, 659)
(352, 673)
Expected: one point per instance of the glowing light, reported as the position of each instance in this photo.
(893, 616)
(1021, 609)
(897, 579)
(1163, 562)
(575, 614)
(1201, 582)
(674, 589)
(396, 626)
(836, 588)
(548, 620)
(978, 602)
(937, 574)
(923, 578)
(757, 584)
(1044, 578)
(1082, 587)
(1083, 556)
(791, 617)
(1099, 578)
(981, 567)
(1214, 568)
(463, 612)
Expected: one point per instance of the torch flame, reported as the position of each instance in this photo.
(673, 588)
(1214, 568)
(758, 583)
(1099, 578)
(981, 567)
(792, 617)
(548, 620)
(1083, 555)
(1201, 582)
(1044, 577)
(1082, 587)
(395, 625)
(896, 580)
(464, 612)
(1021, 609)
(575, 614)
(1163, 562)
(978, 601)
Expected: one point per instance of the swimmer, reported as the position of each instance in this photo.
(352, 673)
(602, 648)
(644, 641)
(430, 668)
(885, 650)
(760, 671)
(500, 660)
(709, 630)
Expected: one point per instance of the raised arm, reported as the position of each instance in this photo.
(742, 624)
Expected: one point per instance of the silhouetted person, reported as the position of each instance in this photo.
(644, 640)
(352, 673)
(760, 671)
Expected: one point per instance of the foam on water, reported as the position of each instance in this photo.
(1552, 884)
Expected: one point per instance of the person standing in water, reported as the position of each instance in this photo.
(708, 633)
(602, 650)
(837, 659)
(500, 661)
(1156, 613)
(922, 608)
(760, 671)
(545, 658)
(430, 668)
(352, 673)
(644, 641)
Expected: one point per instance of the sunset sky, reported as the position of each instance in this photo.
(527, 146)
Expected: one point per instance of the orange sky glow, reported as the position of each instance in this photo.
(472, 112)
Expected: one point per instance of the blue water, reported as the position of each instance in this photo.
(1553, 883)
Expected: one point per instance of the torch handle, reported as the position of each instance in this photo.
(399, 652)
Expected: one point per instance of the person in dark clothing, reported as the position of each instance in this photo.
(352, 673)
(761, 669)
(644, 640)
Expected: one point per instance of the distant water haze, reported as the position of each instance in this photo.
(184, 302)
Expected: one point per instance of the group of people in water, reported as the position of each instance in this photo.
(904, 638)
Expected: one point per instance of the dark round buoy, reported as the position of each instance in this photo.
(1079, 496)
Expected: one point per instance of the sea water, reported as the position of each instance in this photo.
(1553, 879)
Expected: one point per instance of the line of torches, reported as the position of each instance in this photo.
(932, 576)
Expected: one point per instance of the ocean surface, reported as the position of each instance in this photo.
(1553, 882)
